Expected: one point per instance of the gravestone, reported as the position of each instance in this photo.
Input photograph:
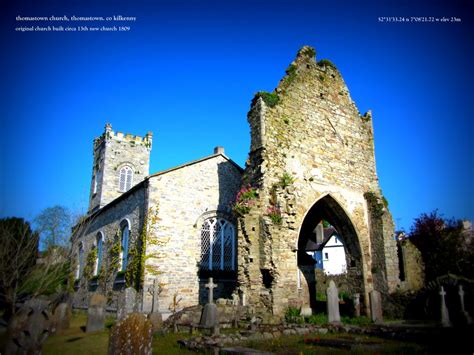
(332, 303)
(376, 306)
(466, 317)
(131, 336)
(126, 303)
(445, 322)
(156, 320)
(62, 316)
(29, 328)
(96, 313)
(356, 301)
(209, 313)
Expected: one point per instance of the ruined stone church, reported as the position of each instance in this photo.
(311, 159)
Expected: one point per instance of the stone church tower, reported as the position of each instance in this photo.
(311, 159)
(120, 162)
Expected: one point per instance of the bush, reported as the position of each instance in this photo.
(293, 315)
(270, 99)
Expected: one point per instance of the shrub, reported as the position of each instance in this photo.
(244, 200)
(293, 315)
(326, 63)
(275, 214)
(286, 180)
(270, 99)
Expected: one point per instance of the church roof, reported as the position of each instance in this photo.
(141, 184)
(196, 162)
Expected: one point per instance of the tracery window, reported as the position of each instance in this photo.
(217, 245)
(125, 178)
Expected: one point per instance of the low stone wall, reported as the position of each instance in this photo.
(422, 334)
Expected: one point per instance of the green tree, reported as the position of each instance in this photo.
(54, 225)
(442, 243)
(18, 253)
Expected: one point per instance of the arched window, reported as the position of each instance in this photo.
(217, 245)
(94, 184)
(125, 178)
(125, 228)
(100, 247)
(80, 264)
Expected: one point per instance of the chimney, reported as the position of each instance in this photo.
(319, 230)
(219, 150)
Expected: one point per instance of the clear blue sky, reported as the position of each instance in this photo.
(188, 70)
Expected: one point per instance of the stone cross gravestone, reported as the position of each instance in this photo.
(466, 317)
(332, 303)
(209, 313)
(376, 306)
(356, 301)
(127, 302)
(131, 336)
(62, 316)
(445, 322)
(211, 286)
(96, 313)
(29, 328)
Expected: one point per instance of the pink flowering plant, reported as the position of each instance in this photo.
(274, 213)
(244, 201)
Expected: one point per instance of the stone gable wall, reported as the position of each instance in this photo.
(184, 198)
(315, 134)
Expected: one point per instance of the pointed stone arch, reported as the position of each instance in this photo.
(329, 209)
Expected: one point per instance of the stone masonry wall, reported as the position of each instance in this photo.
(112, 151)
(413, 267)
(132, 208)
(184, 198)
(308, 128)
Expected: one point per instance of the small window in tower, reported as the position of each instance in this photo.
(94, 184)
(125, 178)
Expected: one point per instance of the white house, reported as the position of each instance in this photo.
(328, 251)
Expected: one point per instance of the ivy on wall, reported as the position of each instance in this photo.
(90, 264)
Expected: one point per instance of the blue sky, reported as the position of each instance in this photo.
(188, 70)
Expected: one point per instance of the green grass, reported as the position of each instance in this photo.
(75, 341)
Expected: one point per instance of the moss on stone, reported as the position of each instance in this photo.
(326, 63)
(270, 99)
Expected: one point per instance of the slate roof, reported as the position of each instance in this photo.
(311, 245)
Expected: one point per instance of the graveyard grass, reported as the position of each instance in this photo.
(75, 341)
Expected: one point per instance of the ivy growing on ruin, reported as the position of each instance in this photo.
(375, 204)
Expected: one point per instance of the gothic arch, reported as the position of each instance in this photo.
(213, 213)
(329, 209)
